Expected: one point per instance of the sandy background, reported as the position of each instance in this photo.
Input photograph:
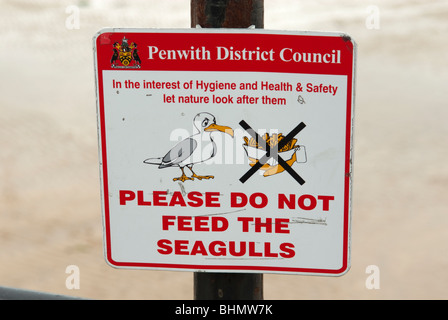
(50, 210)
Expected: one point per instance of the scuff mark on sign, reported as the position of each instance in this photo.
(308, 220)
(220, 213)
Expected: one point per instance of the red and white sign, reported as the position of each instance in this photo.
(226, 150)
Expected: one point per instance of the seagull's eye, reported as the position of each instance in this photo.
(205, 123)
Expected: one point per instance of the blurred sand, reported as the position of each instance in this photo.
(50, 210)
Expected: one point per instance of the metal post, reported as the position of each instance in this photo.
(227, 14)
(228, 286)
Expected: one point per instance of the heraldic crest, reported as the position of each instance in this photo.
(125, 55)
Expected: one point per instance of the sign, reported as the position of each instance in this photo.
(226, 150)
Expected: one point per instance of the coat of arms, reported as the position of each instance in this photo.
(125, 55)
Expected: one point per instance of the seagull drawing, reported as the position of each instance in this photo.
(195, 149)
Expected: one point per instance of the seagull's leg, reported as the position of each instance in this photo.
(196, 176)
(183, 177)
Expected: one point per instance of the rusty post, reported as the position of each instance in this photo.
(228, 286)
(227, 14)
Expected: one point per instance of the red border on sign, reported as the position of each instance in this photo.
(305, 43)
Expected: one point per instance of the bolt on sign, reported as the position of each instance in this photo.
(226, 150)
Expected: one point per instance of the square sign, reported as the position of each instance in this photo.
(226, 150)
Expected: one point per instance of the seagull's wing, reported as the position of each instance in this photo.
(179, 153)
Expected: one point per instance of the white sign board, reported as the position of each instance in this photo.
(226, 150)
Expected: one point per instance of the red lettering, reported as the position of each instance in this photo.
(158, 197)
(211, 199)
(282, 201)
(312, 202)
(238, 199)
(220, 251)
(288, 250)
(232, 249)
(184, 223)
(199, 248)
(177, 199)
(267, 251)
(196, 200)
(126, 195)
(140, 200)
(201, 223)
(164, 246)
(253, 198)
(252, 252)
(181, 247)
(267, 225)
(219, 248)
(166, 222)
(245, 221)
(325, 202)
(305, 201)
(219, 224)
(281, 225)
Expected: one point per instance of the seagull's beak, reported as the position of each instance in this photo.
(215, 127)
